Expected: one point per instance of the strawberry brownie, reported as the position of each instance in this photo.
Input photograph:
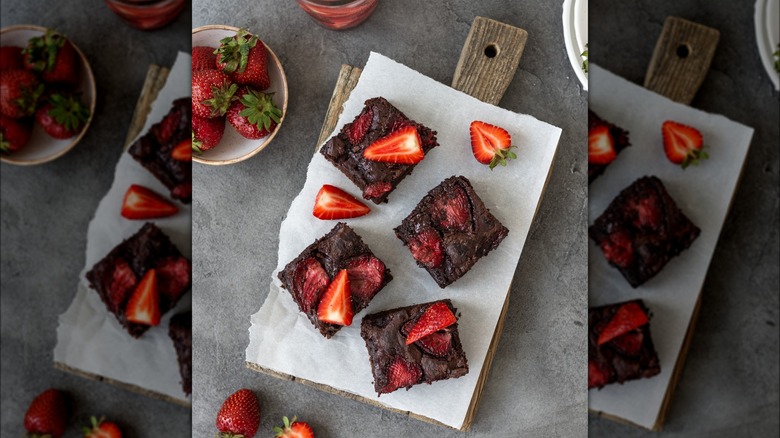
(642, 229)
(141, 279)
(619, 344)
(414, 344)
(180, 331)
(154, 150)
(449, 230)
(337, 263)
(605, 141)
(379, 148)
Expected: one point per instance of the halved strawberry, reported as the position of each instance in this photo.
(183, 150)
(358, 128)
(333, 203)
(336, 304)
(436, 317)
(142, 203)
(630, 316)
(365, 276)
(401, 374)
(401, 147)
(453, 211)
(427, 249)
(491, 144)
(144, 304)
(437, 344)
(293, 429)
(102, 429)
(309, 282)
(683, 144)
(618, 249)
(601, 145)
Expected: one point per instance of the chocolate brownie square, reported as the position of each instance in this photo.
(180, 331)
(449, 230)
(378, 119)
(394, 364)
(619, 138)
(153, 150)
(628, 356)
(308, 275)
(116, 276)
(642, 229)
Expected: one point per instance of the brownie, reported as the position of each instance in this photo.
(153, 150)
(118, 273)
(180, 331)
(642, 229)
(308, 275)
(619, 138)
(385, 335)
(627, 357)
(449, 230)
(378, 119)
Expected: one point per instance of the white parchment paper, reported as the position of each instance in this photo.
(283, 339)
(703, 193)
(89, 337)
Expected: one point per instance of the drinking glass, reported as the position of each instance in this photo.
(338, 14)
(147, 14)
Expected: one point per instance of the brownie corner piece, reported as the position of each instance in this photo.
(378, 119)
(449, 230)
(116, 275)
(180, 332)
(623, 355)
(395, 365)
(619, 137)
(307, 276)
(154, 150)
(642, 229)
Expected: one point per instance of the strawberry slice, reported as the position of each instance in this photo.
(365, 276)
(427, 249)
(601, 146)
(437, 344)
(629, 344)
(452, 211)
(618, 249)
(309, 282)
(183, 150)
(336, 304)
(358, 128)
(683, 144)
(628, 317)
(144, 304)
(401, 374)
(333, 203)
(142, 203)
(122, 283)
(491, 144)
(436, 317)
(401, 147)
(377, 189)
(598, 375)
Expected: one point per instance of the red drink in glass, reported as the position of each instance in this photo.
(147, 14)
(338, 14)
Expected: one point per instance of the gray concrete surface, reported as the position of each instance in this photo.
(729, 386)
(536, 387)
(45, 211)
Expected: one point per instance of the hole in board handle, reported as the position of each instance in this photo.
(491, 50)
(683, 50)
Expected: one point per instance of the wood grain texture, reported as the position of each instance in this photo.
(486, 79)
(484, 76)
(155, 80)
(681, 59)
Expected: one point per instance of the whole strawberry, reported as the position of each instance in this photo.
(254, 114)
(53, 56)
(203, 58)
(14, 134)
(48, 414)
(62, 116)
(243, 58)
(102, 429)
(239, 415)
(206, 133)
(19, 93)
(212, 93)
(10, 58)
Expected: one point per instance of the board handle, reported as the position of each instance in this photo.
(681, 59)
(489, 59)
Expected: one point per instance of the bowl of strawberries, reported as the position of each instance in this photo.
(47, 95)
(239, 94)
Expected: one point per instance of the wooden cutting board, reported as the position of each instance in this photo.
(681, 59)
(487, 64)
(154, 82)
